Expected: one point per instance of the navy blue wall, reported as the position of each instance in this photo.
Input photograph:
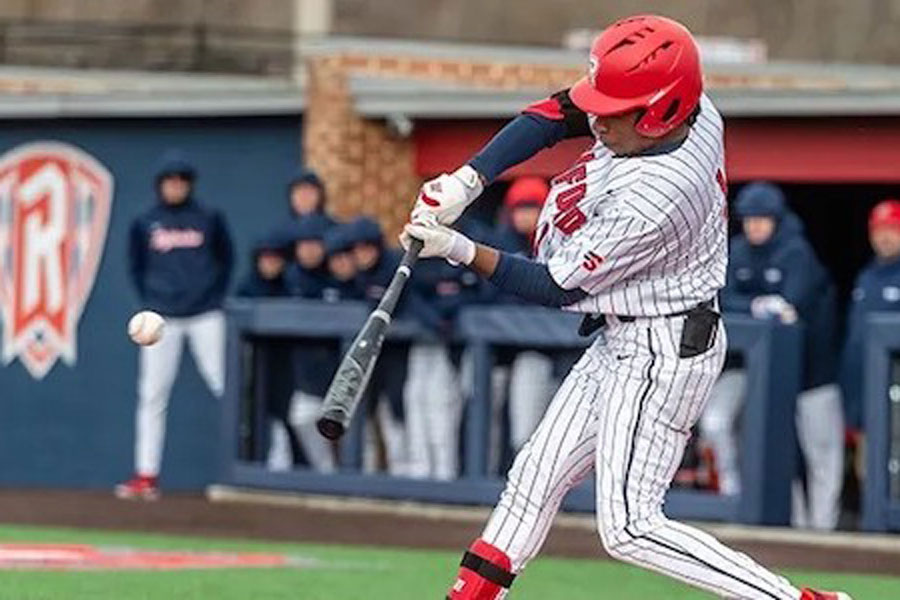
(75, 427)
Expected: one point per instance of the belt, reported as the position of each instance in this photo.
(709, 304)
(590, 323)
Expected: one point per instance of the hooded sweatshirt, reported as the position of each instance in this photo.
(877, 289)
(787, 266)
(180, 256)
(255, 285)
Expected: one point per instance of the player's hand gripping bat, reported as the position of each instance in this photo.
(353, 374)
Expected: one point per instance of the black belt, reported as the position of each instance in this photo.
(590, 323)
(709, 304)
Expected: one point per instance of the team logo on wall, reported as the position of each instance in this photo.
(54, 210)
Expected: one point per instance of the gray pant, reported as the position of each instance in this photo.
(820, 432)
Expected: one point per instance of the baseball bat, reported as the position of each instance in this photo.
(353, 374)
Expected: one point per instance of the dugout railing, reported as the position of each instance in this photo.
(771, 355)
(881, 393)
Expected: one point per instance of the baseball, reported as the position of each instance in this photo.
(146, 327)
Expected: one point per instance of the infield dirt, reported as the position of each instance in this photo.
(192, 514)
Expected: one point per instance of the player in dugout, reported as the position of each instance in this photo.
(435, 383)
(268, 263)
(530, 371)
(877, 289)
(307, 277)
(180, 257)
(307, 195)
(633, 235)
(774, 273)
(376, 264)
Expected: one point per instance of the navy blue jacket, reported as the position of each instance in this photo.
(305, 283)
(439, 290)
(877, 289)
(787, 266)
(375, 281)
(254, 285)
(180, 258)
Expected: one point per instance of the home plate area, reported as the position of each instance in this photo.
(71, 557)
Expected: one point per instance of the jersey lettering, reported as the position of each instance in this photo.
(570, 217)
(570, 221)
(722, 181)
(573, 175)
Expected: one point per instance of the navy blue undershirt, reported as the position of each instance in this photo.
(532, 281)
(519, 140)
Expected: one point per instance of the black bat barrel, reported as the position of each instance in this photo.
(353, 374)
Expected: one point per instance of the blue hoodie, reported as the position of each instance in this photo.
(180, 257)
(309, 177)
(877, 289)
(339, 240)
(256, 286)
(302, 282)
(439, 290)
(786, 265)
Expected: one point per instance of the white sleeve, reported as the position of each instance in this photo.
(610, 247)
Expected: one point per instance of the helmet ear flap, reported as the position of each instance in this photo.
(666, 112)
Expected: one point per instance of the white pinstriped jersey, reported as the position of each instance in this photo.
(643, 235)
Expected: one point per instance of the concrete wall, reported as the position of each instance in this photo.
(181, 34)
(178, 35)
(74, 427)
(827, 30)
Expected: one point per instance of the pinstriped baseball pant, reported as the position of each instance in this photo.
(625, 411)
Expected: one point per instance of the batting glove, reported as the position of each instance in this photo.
(448, 195)
(439, 241)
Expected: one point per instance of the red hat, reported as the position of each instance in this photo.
(644, 62)
(885, 214)
(526, 191)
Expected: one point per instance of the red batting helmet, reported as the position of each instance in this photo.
(643, 62)
(526, 191)
(885, 214)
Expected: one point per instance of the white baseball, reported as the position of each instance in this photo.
(146, 327)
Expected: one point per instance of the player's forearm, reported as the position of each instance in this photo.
(522, 277)
(519, 140)
(486, 259)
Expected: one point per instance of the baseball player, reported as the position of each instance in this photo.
(774, 273)
(876, 289)
(384, 395)
(530, 372)
(633, 233)
(180, 257)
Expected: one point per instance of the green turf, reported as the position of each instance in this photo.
(349, 573)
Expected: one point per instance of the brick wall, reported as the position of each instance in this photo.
(367, 168)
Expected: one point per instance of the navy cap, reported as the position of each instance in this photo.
(275, 241)
(366, 230)
(307, 176)
(339, 239)
(760, 199)
(174, 162)
(310, 227)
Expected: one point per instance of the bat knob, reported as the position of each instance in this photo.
(330, 428)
